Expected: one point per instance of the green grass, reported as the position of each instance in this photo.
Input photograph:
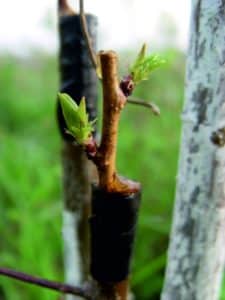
(30, 206)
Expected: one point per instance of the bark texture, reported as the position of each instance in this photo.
(78, 79)
(196, 252)
(114, 101)
(77, 193)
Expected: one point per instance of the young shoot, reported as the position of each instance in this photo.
(76, 118)
(140, 70)
(144, 65)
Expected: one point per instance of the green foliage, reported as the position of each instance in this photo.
(30, 206)
(76, 118)
(144, 65)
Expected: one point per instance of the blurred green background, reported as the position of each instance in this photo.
(30, 171)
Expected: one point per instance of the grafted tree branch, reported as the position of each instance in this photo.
(113, 102)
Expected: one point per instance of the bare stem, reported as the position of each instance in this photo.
(62, 288)
(113, 103)
(64, 8)
(86, 35)
(154, 108)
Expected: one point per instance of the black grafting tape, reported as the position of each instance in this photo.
(78, 77)
(113, 225)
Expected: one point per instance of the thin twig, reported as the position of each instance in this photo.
(62, 288)
(154, 108)
(87, 37)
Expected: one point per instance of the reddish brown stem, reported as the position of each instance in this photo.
(122, 289)
(65, 9)
(116, 291)
(113, 102)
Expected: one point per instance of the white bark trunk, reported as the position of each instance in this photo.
(72, 259)
(77, 194)
(197, 246)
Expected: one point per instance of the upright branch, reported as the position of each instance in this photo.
(113, 102)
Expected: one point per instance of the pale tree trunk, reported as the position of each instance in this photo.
(197, 246)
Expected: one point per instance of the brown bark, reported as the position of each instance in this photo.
(64, 8)
(117, 291)
(122, 290)
(113, 102)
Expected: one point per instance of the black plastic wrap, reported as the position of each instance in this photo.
(78, 77)
(113, 225)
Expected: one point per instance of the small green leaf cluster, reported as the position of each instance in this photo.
(76, 118)
(144, 65)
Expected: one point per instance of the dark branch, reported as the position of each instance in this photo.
(154, 108)
(86, 35)
(62, 288)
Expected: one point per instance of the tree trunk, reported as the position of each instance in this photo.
(78, 79)
(196, 252)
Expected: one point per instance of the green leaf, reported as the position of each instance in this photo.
(70, 109)
(82, 111)
(80, 134)
(140, 57)
(76, 118)
(144, 65)
(142, 52)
